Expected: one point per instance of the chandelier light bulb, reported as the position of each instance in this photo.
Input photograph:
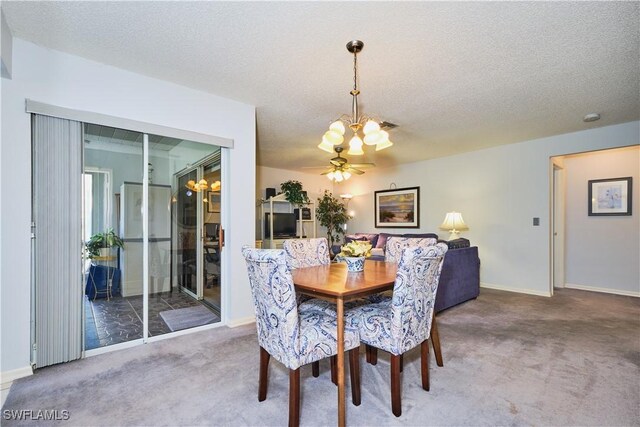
(355, 146)
(326, 146)
(384, 144)
(333, 137)
(371, 126)
(374, 137)
(337, 126)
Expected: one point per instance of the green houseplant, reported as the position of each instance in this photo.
(106, 239)
(331, 214)
(293, 192)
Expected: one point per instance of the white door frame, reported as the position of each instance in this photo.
(557, 230)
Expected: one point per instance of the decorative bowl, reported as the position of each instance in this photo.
(354, 264)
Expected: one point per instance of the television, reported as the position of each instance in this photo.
(284, 225)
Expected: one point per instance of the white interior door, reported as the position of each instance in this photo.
(558, 226)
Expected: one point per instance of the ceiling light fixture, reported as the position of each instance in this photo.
(340, 170)
(591, 117)
(373, 135)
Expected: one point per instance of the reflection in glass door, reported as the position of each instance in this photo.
(212, 237)
(187, 233)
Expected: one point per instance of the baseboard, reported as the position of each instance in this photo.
(603, 290)
(241, 321)
(8, 377)
(517, 290)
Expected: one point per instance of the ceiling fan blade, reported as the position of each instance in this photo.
(363, 165)
(356, 171)
(326, 172)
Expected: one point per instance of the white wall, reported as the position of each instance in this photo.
(313, 183)
(499, 191)
(69, 81)
(602, 252)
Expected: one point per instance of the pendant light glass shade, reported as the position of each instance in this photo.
(333, 137)
(355, 146)
(371, 126)
(326, 146)
(337, 126)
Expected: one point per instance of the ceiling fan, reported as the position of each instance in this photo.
(340, 169)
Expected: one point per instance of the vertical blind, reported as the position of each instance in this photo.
(57, 247)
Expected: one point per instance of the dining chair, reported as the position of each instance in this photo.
(393, 248)
(293, 336)
(309, 253)
(404, 321)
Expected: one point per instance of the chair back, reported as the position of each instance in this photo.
(395, 245)
(274, 300)
(306, 253)
(414, 295)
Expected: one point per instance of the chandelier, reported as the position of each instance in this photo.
(202, 185)
(373, 135)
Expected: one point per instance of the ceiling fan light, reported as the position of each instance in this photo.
(346, 175)
(337, 126)
(371, 126)
(384, 144)
(333, 137)
(330, 176)
(326, 146)
(338, 176)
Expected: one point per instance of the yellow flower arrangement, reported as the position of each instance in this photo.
(356, 248)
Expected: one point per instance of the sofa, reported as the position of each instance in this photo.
(460, 276)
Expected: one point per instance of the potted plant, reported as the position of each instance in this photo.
(331, 214)
(293, 192)
(354, 253)
(97, 244)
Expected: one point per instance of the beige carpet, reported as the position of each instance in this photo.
(510, 359)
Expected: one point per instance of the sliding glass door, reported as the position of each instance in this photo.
(153, 283)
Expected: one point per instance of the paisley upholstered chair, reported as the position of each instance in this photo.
(395, 245)
(399, 324)
(293, 337)
(309, 253)
(393, 248)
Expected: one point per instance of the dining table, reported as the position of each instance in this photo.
(333, 282)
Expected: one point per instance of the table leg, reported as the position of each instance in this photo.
(341, 397)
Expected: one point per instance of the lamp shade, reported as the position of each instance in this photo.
(453, 221)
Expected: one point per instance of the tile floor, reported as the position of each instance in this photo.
(120, 318)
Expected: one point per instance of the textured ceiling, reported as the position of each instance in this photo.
(454, 76)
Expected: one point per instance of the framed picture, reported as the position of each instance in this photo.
(213, 201)
(397, 208)
(609, 197)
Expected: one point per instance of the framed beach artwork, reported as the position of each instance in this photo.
(608, 197)
(397, 208)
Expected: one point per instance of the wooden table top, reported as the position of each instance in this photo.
(335, 280)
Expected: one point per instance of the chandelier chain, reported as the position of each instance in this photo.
(355, 71)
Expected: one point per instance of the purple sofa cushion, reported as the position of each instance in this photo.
(382, 240)
(422, 236)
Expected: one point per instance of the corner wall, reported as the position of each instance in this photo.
(499, 191)
(69, 81)
(602, 252)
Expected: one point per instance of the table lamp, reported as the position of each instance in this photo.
(454, 223)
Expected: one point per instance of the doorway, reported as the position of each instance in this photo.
(558, 227)
(198, 231)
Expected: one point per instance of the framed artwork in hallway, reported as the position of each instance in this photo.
(609, 197)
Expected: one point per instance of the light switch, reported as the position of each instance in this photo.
(536, 221)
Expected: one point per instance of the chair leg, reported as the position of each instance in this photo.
(264, 368)
(367, 350)
(334, 369)
(424, 364)
(401, 362)
(396, 406)
(354, 373)
(435, 341)
(315, 369)
(374, 355)
(294, 397)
